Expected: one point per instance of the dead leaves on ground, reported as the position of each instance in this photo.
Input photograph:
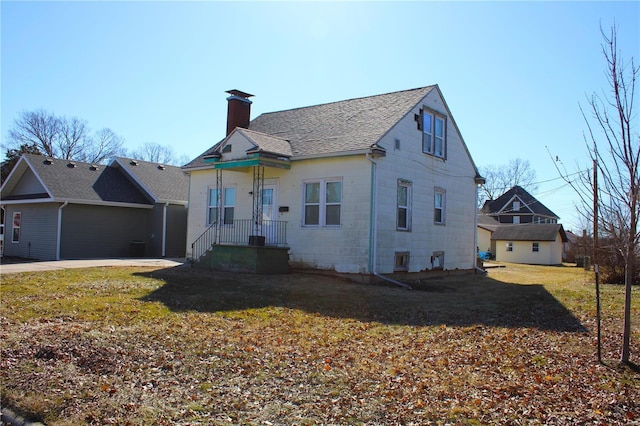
(277, 365)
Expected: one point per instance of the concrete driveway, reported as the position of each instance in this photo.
(12, 266)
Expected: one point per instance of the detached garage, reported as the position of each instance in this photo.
(531, 243)
(59, 209)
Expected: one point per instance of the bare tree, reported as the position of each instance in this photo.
(39, 128)
(500, 179)
(63, 137)
(72, 138)
(611, 192)
(157, 153)
(104, 144)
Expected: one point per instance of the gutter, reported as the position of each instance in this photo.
(59, 237)
(373, 226)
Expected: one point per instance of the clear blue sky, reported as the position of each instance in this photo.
(513, 73)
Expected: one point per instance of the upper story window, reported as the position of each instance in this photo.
(322, 203)
(434, 134)
(404, 206)
(516, 206)
(225, 198)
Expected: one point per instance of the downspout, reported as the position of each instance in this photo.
(475, 234)
(373, 226)
(164, 229)
(59, 236)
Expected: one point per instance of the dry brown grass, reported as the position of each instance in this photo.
(182, 346)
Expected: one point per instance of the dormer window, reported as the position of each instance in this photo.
(434, 134)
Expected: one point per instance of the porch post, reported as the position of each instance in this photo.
(258, 186)
(218, 205)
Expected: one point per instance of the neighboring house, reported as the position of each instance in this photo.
(531, 243)
(486, 227)
(60, 209)
(378, 184)
(518, 206)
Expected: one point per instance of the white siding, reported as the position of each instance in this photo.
(346, 248)
(484, 239)
(550, 252)
(28, 184)
(455, 175)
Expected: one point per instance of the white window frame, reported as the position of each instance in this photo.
(535, 247)
(442, 207)
(430, 137)
(510, 246)
(406, 208)
(16, 226)
(322, 203)
(223, 199)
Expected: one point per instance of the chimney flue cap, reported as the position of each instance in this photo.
(239, 94)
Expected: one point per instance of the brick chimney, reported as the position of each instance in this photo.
(239, 110)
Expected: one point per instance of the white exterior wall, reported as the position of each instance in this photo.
(456, 174)
(484, 239)
(550, 252)
(344, 248)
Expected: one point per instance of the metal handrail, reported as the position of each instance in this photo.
(272, 233)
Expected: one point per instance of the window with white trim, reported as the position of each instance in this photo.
(322, 203)
(16, 225)
(439, 206)
(535, 247)
(434, 134)
(228, 195)
(510, 246)
(403, 221)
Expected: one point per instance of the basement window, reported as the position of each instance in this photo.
(437, 260)
(401, 261)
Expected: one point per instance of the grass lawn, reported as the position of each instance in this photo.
(184, 346)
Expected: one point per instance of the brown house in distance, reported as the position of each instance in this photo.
(518, 206)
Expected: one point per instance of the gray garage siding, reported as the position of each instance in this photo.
(38, 230)
(99, 231)
(176, 243)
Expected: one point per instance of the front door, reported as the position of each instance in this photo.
(269, 214)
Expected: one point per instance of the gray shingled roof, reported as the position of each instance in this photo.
(529, 232)
(162, 182)
(530, 202)
(349, 125)
(84, 182)
(268, 143)
(487, 222)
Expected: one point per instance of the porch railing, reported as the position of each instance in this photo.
(241, 232)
